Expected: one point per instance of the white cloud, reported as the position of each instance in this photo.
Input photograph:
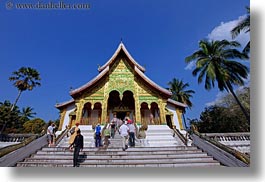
(220, 94)
(217, 100)
(246, 83)
(190, 66)
(223, 31)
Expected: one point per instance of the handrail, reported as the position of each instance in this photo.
(15, 137)
(11, 148)
(61, 136)
(242, 157)
(22, 150)
(180, 135)
(227, 134)
(226, 137)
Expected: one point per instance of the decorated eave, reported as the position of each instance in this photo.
(176, 103)
(112, 59)
(105, 69)
(75, 92)
(161, 90)
(65, 104)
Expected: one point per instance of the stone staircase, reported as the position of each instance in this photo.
(159, 149)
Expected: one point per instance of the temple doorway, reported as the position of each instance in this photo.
(123, 105)
(121, 115)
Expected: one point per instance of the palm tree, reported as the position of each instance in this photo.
(7, 115)
(243, 25)
(27, 113)
(214, 63)
(25, 78)
(179, 92)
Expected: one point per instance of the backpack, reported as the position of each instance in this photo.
(72, 130)
(107, 132)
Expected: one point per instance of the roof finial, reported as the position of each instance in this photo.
(121, 39)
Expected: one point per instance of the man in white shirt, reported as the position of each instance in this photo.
(50, 134)
(124, 132)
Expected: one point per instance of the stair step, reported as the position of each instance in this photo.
(168, 148)
(125, 161)
(120, 152)
(200, 164)
(122, 161)
(122, 155)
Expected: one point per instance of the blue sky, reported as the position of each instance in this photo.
(66, 46)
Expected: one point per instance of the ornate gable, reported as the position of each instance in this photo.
(122, 70)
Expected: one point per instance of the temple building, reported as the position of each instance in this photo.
(121, 87)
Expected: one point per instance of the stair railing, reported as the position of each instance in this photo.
(183, 138)
(22, 150)
(61, 136)
(219, 150)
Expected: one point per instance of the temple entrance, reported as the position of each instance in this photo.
(121, 115)
(123, 106)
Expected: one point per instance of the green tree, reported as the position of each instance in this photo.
(218, 119)
(34, 126)
(25, 78)
(225, 115)
(214, 63)
(180, 92)
(27, 113)
(243, 25)
(7, 115)
(243, 96)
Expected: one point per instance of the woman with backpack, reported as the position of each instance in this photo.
(73, 132)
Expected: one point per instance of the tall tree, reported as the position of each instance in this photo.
(180, 92)
(214, 63)
(25, 78)
(243, 25)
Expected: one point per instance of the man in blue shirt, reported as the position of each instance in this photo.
(98, 136)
